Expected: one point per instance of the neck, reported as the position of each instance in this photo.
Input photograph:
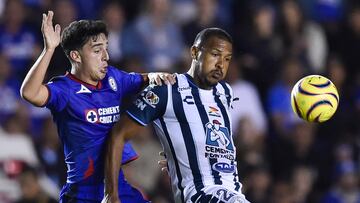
(198, 82)
(83, 76)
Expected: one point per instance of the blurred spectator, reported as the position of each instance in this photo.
(50, 154)
(258, 183)
(302, 38)
(328, 11)
(65, 13)
(249, 103)
(88, 9)
(123, 42)
(350, 43)
(162, 39)
(9, 97)
(2, 5)
(342, 122)
(278, 101)
(34, 8)
(281, 193)
(17, 41)
(17, 150)
(300, 147)
(259, 48)
(345, 188)
(302, 182)
(31, 189)
(113, 16)
(206, 16)
(184, 11)
(249, 123)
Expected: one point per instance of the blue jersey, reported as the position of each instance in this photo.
(84, 115)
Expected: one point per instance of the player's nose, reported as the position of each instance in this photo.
(219, 63)
(105, 56)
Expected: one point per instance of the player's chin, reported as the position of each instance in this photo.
(213, 81)
(101, 75)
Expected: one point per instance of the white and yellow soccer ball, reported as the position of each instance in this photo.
(314, 98)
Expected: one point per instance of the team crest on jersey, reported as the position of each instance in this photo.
(112, 83)
(151, 98)
(219, 146)
(213, 112)
(218, 136)
(91, 116)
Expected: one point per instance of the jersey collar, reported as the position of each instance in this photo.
(74, 78)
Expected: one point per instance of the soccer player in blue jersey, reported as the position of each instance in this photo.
(85, 104)
(192, 121)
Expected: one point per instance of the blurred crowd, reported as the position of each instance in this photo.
(281, 159)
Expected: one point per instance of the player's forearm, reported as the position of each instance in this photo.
(31, 88)
(113, 164)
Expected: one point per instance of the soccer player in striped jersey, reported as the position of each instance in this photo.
(85, 105)
(192, 121)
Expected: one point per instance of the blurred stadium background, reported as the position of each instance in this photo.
(281, 159)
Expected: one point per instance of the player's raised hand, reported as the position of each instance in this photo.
(50, 33)
(158, 77)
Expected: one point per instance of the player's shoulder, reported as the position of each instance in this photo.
(224, 86)
(182, 81)
(116, 70)
(224, 83)
(59, 80)
(118, 73)
(111, 71)
(161, 90)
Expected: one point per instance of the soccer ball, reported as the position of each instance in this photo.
(314, 98)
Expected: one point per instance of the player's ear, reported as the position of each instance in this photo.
(194, 53)
(75, 56)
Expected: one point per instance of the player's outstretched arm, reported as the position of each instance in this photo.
(157, 78)
(123, 130)
(32, 89)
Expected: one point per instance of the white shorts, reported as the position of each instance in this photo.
(217, 194)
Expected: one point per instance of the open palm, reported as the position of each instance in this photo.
(50, 33)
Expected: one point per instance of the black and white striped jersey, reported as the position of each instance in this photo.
(194, 127)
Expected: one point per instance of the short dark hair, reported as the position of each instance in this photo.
(79, 32)
(207, 33)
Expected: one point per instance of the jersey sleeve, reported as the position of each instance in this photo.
(128, 154)
(149, 105)
(130, 82)
(58, 95)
